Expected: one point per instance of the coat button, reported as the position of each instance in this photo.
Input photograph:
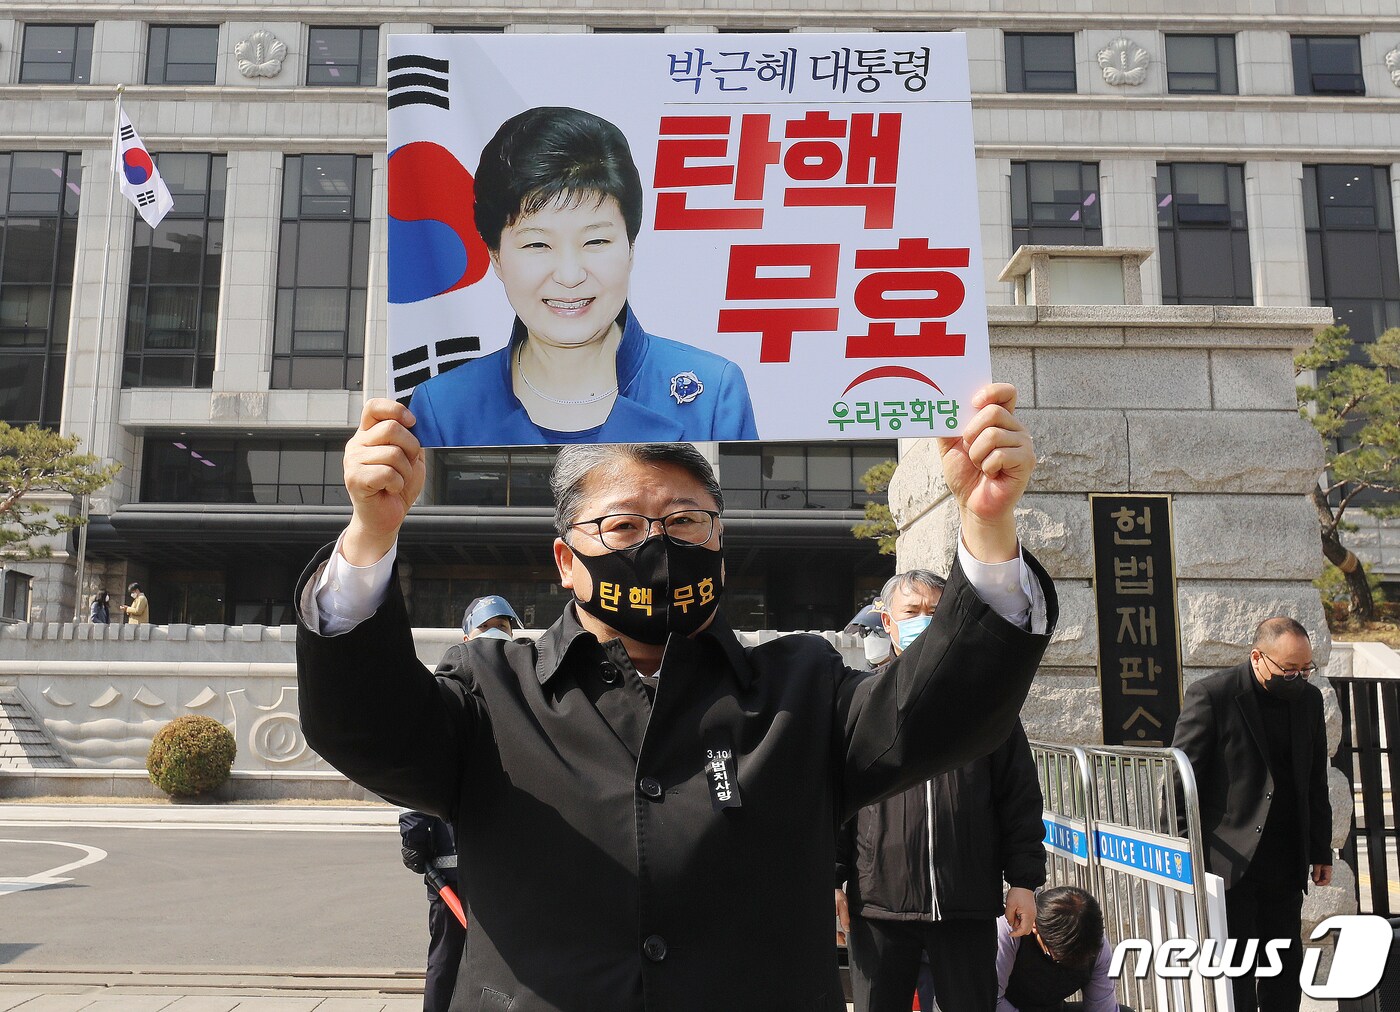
(654, 947)
(610, 672)
(1258, 828)
(651, 787)
(1269, 796)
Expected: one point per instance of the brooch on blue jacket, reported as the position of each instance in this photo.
(686, 386)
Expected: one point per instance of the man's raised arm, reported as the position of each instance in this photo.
(954, 694)
(367, 705)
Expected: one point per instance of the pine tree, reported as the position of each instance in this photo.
(36, 461)
(879, 522)
(1355, 405)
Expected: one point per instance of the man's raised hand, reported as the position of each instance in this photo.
(384, 473)
(987, 469)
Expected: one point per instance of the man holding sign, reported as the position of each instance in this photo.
(645, 809)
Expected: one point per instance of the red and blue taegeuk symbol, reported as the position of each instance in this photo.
(434, 247)
(137, 166)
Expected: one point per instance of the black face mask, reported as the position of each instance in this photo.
(1289, 690)
(655, 589)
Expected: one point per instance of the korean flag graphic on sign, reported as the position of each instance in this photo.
(138, 176)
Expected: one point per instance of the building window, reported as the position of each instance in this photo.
(1055, 204)
(505, 478)
(799, 476)
(322, 273)
(17, 595)
(267, 472)
(56, 54)
(1201, 65)
(38, 241)
(1351, 246)
(342, 57)
(468, 29)
(1040, 62)
(173, 302)
(180, 54)
(1327, 65)
(1202, 235)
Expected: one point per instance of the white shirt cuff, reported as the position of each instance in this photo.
(1009, 588)
(342, 596)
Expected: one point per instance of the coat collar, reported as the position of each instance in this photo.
(567, 636)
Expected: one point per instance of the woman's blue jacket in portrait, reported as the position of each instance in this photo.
(666, 392)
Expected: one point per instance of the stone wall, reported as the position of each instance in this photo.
(1195, 401)
(100, 693)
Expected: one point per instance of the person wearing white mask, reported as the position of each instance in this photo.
(868, 625)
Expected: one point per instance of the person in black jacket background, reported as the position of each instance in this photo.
(924, 869)
(1257, 743)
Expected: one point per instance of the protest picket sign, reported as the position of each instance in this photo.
(795, 255)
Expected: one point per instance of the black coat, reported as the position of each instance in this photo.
(1221, 731)
(986, 827)
(600, 866)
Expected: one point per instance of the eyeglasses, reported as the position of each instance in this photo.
(1288, 674)
(621, 531)
(1043, 947)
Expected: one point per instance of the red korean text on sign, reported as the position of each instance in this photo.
(912, 266)
(832, 162)
(809, 271)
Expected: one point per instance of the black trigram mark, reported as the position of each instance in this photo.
(146, 197)
(417, 80)
(128, 133)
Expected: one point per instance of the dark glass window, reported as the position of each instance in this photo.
(1040, 62)
(173, 306)
(322, 273)
(38, 242)
(1202, 235)
(182, 54)
(1055, 204)
(1351, 246)
(342, 57)
(799, 476)
(56, 54)
(1201, 65)
(497, 478)
(468, 29)
(268, 472)
(1327, 65)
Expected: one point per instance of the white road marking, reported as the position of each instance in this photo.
(91, 855)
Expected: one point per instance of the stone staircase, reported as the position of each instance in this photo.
(24, 745)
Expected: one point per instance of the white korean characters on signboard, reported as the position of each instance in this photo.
(683, 237)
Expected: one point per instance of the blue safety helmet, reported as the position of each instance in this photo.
(483, 609)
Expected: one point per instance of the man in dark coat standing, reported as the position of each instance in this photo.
(646, 810)
(1257, 743)
(923, 870)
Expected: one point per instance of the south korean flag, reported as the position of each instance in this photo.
(137, 174)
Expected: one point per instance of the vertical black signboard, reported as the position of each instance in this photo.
(1135, 597)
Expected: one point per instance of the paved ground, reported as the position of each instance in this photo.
(210, 909)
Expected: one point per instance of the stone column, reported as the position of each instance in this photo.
(248, 278)
(1278, 249)
(1128, 192)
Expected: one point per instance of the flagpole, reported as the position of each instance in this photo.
(80, 593)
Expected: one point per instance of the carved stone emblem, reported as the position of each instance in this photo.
(1392, 63)
(1124, 62)
(260, 54)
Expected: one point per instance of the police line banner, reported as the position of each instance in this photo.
(1164, 860)
(683, 237)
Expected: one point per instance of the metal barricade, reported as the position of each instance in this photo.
(1123, 823)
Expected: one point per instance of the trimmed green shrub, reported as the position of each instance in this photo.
(191, 755)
